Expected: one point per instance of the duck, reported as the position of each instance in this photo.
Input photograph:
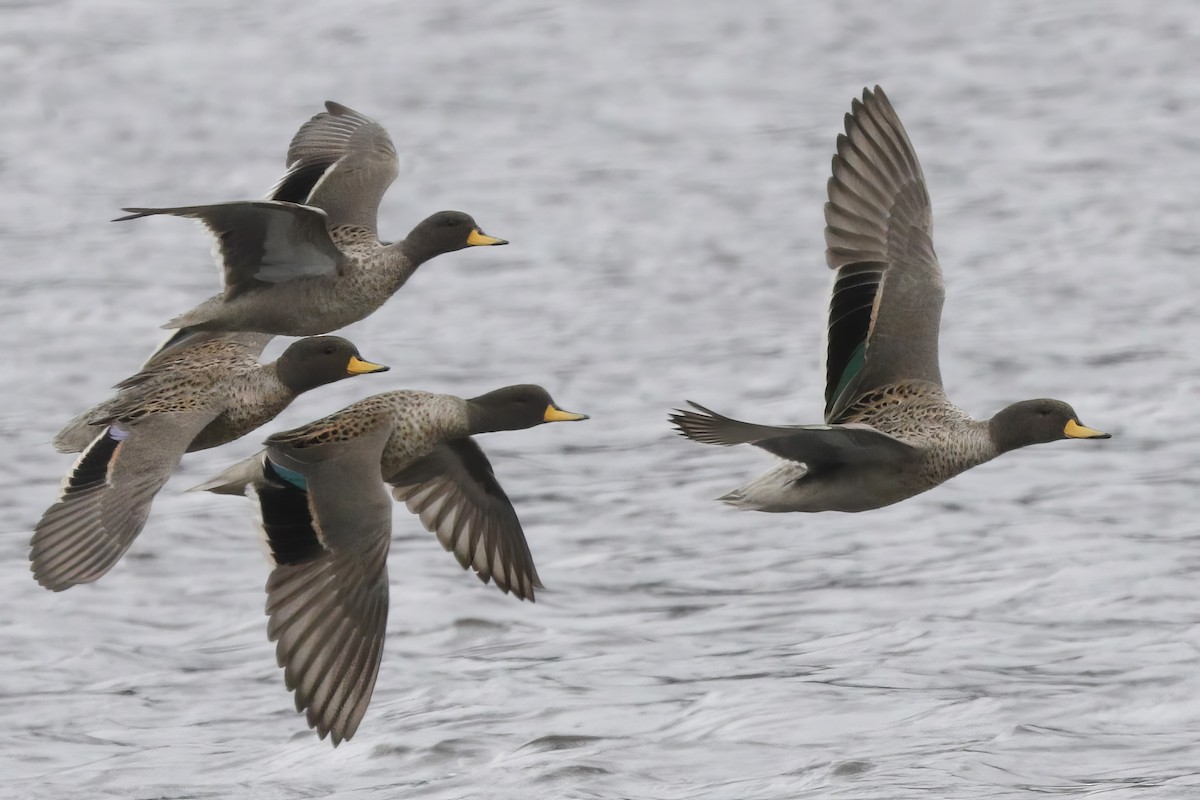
(890, 432)
(307, 259)
(325, 510)
(202, 394)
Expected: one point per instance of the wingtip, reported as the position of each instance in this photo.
(535, 584)
(680, 418)
(692, 424)
(131, 213)
(45, 580)
(875, 97)
(523, 592)
(319, 727)
(338, 110)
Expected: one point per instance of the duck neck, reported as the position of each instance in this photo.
(489, 418)
(1003, 437)
(403, 259)
(480, 419)
(281, 379)
(270, 387)
(416, 249)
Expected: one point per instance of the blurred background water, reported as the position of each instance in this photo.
(1029, 628)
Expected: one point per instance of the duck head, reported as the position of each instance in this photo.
(318, 360)
(514, 408)
(1036, 422)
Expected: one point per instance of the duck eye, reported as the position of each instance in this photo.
(329, 350)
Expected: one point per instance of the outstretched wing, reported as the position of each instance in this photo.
(818, 446)
(327, 519)
(886, 307)
(457, 497)
(262, 241)
(106, 497)
(341, 162)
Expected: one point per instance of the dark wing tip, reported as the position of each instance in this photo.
(530, 583)
(680, 418)
(523, 590)
(338, 110)
(878, 100)
(134, 213)
(699, 427)
(701, 408)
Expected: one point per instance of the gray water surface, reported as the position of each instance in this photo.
(1029, 628)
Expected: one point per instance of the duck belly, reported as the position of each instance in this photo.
(793, 487)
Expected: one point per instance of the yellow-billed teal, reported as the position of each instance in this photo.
(890, 431)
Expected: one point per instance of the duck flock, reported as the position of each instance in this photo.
(307, 260)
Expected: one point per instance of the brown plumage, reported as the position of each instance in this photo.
(191, 398)
(327, 517)
(308, 260)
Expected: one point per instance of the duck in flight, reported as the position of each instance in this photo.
(308, 259)
(890, 432)
(327, 519)
(201, 394)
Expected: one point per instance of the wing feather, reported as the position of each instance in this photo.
(885, 310)
(455, 494)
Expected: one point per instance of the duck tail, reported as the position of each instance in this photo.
(198, 318)
(77, 434)
(235, 480)
(780, 489)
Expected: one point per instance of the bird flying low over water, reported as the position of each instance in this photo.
(308, 259)
(890, 432)
(327, 519)
(197, 396)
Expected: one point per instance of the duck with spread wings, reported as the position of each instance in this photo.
(890, 432)
(327, 519)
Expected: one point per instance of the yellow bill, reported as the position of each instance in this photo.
(478, 238)
(359, 367)
(1073, 430)
(556, 414)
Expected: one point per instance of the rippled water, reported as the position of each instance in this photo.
(1030, 627)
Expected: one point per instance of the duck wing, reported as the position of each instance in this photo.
(327, 519)
(454, 492)
(818, 446)
(885, 312)
(106, 497)
(340, 161)
(262, 242)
